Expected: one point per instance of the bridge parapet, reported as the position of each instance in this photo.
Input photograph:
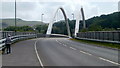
(105, 36)
(15, 37)
(4, 34)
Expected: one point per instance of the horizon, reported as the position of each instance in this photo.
(57, 21)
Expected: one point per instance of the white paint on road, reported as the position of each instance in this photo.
(90, 54)
(61, 43)
(85, 52)
(38, 54)
(109, 61)
(73, 48)
(64, 45)
(57, 41)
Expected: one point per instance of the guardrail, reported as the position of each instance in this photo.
(4, 34)
(16, 38)
(102, 36)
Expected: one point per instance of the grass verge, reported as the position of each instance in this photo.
(110, 45)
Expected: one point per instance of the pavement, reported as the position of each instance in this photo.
(59, 52)
(23, 54)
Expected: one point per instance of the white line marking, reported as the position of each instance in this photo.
(64, 45)
(109, 61)
(56, 40)
(38, 55)
(73, 48)
(85, 53)
(60, 43)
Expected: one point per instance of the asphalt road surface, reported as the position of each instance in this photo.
(59, 52)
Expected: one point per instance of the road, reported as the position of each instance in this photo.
(59, 52)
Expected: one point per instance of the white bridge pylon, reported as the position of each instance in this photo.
(78, 18)
(49, 30)
(80, 14)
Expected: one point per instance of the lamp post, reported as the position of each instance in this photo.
(15, 18)
(73, 15)
(42, 17)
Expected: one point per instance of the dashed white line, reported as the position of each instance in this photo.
(85, 52)
(109, 61)
(56, 40)
(38, 55)
(64, 45)
(60, 43)
(73, 48)
(92, 55)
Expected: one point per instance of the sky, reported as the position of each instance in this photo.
(32, 10)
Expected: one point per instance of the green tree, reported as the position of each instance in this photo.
(19, 28)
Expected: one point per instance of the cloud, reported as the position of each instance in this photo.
(32, 9)
(59, 0)
(26, 6)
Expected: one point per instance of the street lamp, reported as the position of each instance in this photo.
(73, 15)
(42, 17)
(15, 18)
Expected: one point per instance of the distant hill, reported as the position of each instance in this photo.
(105, 21)
(98, 23)
(20, 22)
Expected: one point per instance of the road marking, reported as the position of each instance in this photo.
(64, 45)
(38, 54)
(60, 43)
(109, 61)
(73, 48)
(85, 52)
(95, 56)
(56, 40)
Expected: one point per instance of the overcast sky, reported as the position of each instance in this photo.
(32, 9)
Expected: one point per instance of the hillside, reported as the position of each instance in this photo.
(99, 23)
(105, 21)
(20, 22)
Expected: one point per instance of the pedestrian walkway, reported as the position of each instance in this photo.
(23, 54)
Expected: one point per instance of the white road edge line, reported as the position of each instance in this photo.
(38, 54)
(85, 53)
(109, 61)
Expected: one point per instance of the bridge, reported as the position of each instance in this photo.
(55, 50)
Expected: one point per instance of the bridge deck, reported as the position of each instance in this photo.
(59, 52)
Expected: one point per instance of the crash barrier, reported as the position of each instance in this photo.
(103, 36)
(4, 34)
(15, 38)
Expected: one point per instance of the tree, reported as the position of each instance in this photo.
(20, 28)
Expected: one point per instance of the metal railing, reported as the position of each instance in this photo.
(17, 37)
(4, 34)
(103, 36)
